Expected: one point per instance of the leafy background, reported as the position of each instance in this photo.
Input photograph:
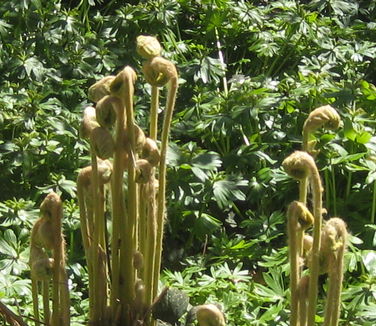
(250, 73)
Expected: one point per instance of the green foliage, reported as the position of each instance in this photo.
(226, 192)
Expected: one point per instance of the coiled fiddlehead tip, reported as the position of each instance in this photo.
(106, 110)
(42, 269)
(298, 165)
(104, 171)
(89, 122)
(51, 205)
(148, 47)
(159, 71)
(125, 77)
(102, 142)
(333, 240)
(302, 214)
(143, 171)
(210, 315)
(104, 174)
(138, 260)
(100, 89)
(324, 116)
(150, 152)
(139, 138)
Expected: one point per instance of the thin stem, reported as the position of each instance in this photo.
(128, 233)
(57, 255)
(221, 60)
(154, 112)
(64, 294)
(327, 189)
(171, 97)
(373, 210)
(338, 279)
(34, 290)
(142, 230)
(46, 301)
(117, 207)
(294, 267)
(83, 203)
(329, 301)
(151, 243)
(314, 268)
(303, 296)
(99, 308)
(150, 250)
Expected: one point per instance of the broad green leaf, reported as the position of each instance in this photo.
(363, 138)
(207, 161)
(268, 294)
(348, 129)
(369, 260)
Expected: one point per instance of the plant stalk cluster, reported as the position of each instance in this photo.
(127, 176)
(323, 251)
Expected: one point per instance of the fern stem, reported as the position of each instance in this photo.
(171, 98)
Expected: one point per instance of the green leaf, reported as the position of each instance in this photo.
(34, 66)
(206, 224)
(363, 138)
(348, 130)
(4, 26)
(268, 294)
(207, 161)
(348, 158)
(369, 261)
(69, 186)
(226, 190)
(199, 173)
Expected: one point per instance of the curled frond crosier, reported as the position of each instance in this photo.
(148, 47)
(322, 117)
(100, 89)
(298, 165)
(158, 71)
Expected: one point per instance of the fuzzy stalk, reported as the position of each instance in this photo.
(150, 258)
(56, 307)
(303, 300)
(151, 243)
(128, 233)
(338, 237)
(314, 268)
(34, 291)
(117, 208)
(294, 264)
(154, 112)
(171, 98)
(46, 301)
(142, 225)
(64, 291)
(336, 278)
(100, 286)
(86, 238)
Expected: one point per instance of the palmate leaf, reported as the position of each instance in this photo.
(4, 26)
(369, 261)
(210, 69)
(207, 161)
(34, 67)
(206, 224)
(227, 190)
